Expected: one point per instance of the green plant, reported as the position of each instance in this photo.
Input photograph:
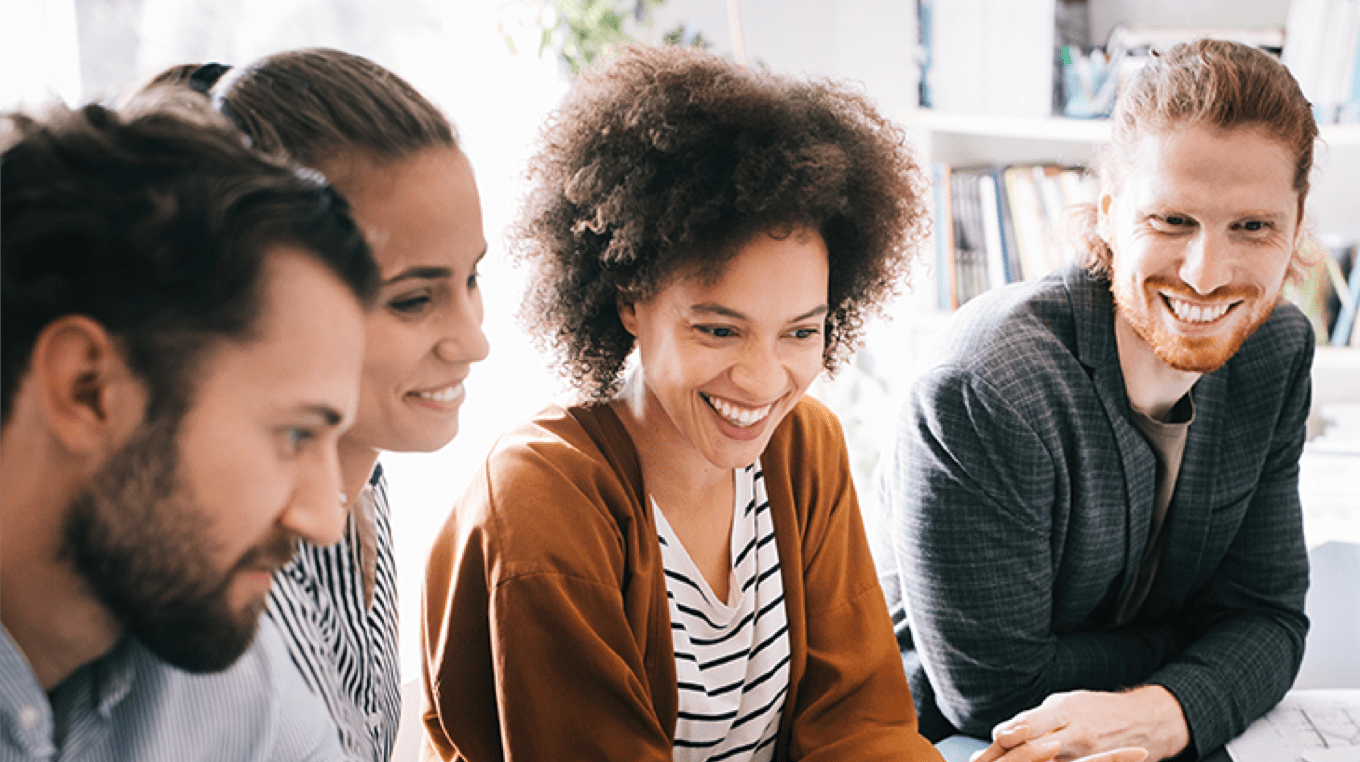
(581, 30)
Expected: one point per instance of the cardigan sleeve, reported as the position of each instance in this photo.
(529, 652)
(851, 699)
(969, 487)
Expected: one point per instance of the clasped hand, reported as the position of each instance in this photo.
(1090, 726)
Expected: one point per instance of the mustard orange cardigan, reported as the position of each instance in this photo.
(547, 633)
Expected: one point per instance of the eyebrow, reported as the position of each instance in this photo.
(718, 309)
(328, 415)
(422, 272)
(1165, 209)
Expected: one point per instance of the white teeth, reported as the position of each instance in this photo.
(738, 416)
(1191, 313)
(446, 394)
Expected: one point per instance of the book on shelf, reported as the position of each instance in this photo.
(999, 224)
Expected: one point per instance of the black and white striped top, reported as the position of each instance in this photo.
(731, 658)
(347, 652)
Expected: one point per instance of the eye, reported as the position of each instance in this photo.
(716, 331)
(1255, 226)
(474, 280)
(1171, 223)
(295, 438)
(409, 304)
(806, 333)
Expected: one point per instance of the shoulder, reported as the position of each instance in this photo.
(1275, 362)
(571, 453)
(1012, 335)
(204, 714)
(809, 424)
(1285, 338)
(559, 493)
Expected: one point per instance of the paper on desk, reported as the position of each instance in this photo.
(1307, 726)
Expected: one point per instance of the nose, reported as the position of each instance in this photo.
(316, 512)
(1207, 264)
(462, 339)
(759, 373)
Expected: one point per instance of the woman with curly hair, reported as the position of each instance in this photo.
(675, 567)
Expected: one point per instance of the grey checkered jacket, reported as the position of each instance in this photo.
(1017, 498)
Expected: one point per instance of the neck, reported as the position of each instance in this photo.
(46, 607)
(356, 466)
(672, 469)
(1153, 387)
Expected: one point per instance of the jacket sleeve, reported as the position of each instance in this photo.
(529, 653)
(1247, 627)
(852, 699)
(968, 490)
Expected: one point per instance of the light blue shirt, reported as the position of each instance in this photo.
(129, 705)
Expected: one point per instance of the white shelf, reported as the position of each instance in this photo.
(1057, 128)
(995, 126)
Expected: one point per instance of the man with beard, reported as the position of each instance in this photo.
(1093, 531)
(182, 339)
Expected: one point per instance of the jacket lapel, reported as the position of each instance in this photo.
(1094, 307)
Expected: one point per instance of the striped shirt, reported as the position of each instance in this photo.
(130, 705)
(731, 658)
(347, 652)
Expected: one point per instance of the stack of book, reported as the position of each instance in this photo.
(999, 224)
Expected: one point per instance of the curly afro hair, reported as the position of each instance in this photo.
(670, 159)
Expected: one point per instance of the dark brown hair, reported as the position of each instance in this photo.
(157, 225)
(663, 159)
(1213, 83)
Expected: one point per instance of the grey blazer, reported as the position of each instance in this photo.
(1017, 498)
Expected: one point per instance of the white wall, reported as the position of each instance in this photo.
(872, 42)
(1244, 14)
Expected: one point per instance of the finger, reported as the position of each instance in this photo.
(1039, 721)
(1129, 754)
(1042, 750)
(989, 754)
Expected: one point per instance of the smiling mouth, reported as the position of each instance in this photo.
(1194, 313)
(443, 395)
(741, 417)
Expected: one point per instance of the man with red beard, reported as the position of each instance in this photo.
(182, 339)
(1093, 532)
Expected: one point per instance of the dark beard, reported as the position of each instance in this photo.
(143, 545)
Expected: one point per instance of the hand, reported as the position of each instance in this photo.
(1042, 753)
(1112, 726)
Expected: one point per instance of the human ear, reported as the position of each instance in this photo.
(88, 397)
(1105, 216)
(627, 315)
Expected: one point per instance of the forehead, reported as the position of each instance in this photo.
(1240, 169)
(420, 210)
(306, 347)
(790, 272)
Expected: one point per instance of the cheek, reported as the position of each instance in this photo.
(392, 355)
